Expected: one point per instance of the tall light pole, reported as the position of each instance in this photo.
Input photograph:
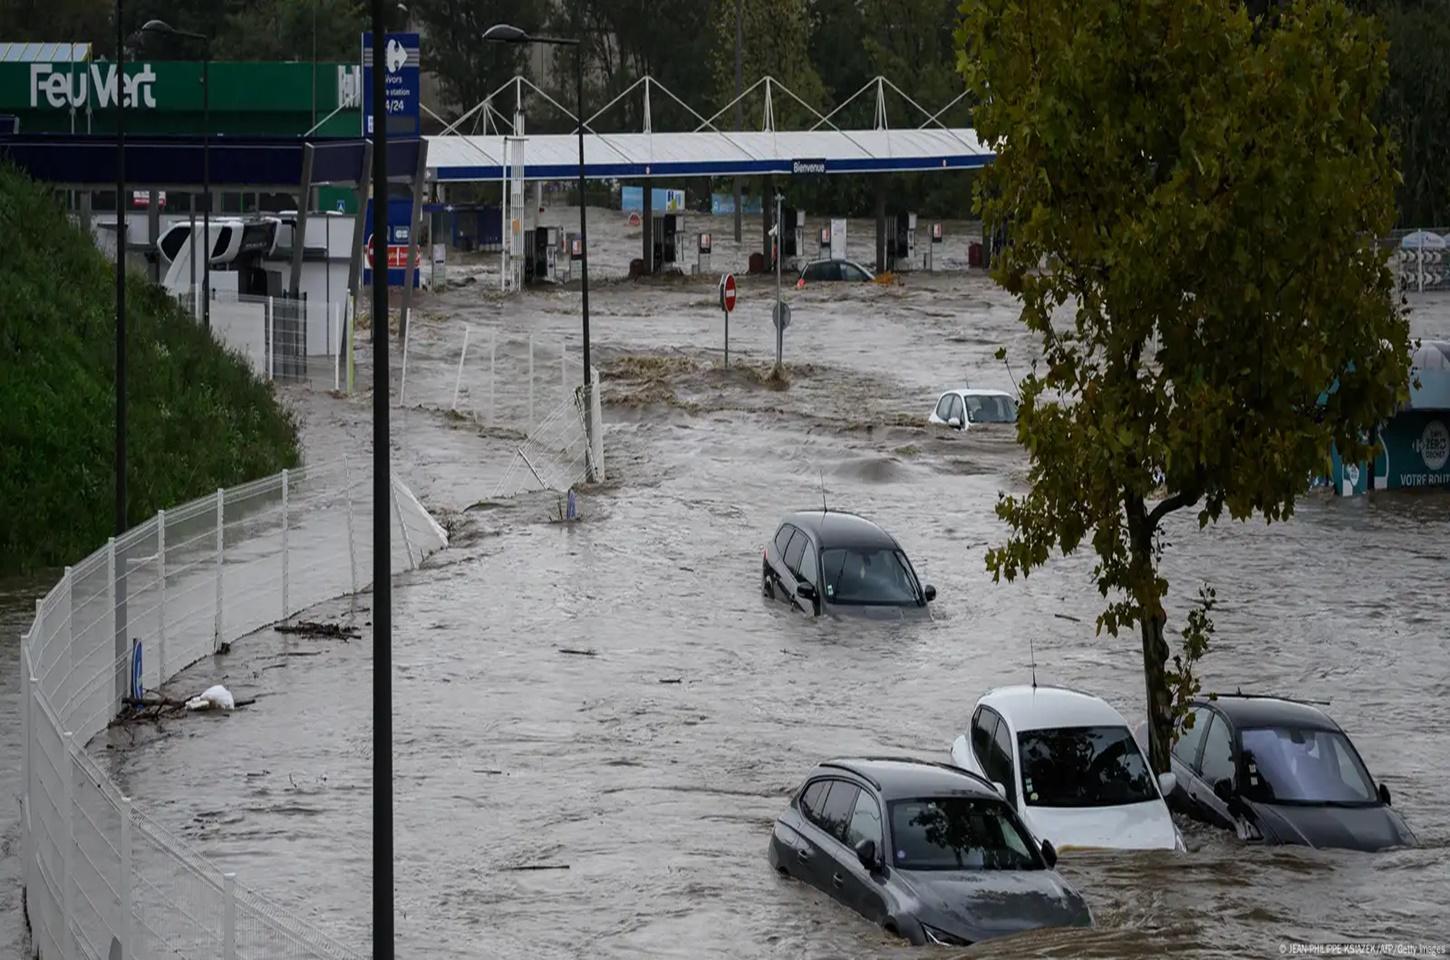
(122, 665)
(505, 33)
(162, 28)
(382, 550)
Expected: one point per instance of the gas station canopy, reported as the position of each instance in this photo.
(459, 158)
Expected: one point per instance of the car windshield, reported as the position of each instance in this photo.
(1083, 767)
(1294, 765)
(958, 833)
(991, 409)
(866, 576)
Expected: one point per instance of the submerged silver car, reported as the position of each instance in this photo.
(928, 851)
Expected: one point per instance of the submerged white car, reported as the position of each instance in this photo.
(1067, 761)
(961, 409)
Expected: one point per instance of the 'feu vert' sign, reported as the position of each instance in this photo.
(84, 85)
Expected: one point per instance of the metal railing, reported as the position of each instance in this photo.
(298, 341)
(139, 610)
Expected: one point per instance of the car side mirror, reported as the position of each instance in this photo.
(955, 423)
(1167, 783)
(866, 853)
(806, 591)
(1000, 788)
(1384, 792)
(1049, 854)
(1224, 790)
(929, 592)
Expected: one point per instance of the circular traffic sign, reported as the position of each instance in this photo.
(727, 292)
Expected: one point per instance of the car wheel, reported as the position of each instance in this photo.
(765, 587)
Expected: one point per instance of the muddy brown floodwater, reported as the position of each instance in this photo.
(644, 772)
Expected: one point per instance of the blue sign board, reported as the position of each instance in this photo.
(400, 229)
(401, 82)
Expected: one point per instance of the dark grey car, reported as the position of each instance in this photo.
(928, 851)
(840, 564)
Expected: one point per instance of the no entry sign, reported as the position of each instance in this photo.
(727, 292)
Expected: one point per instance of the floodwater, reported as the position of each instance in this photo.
(596, 723)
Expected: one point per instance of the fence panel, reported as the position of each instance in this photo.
(210, 571)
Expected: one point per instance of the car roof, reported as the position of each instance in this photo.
(899, 778)
(1029, 707)
(853, 263)
(837, 528)
(1258, 711)
(974, 392)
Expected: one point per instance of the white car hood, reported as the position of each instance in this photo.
(1134, 826)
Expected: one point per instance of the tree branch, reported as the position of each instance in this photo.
(1181, 499)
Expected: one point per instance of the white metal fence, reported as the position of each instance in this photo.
(300, 341)
(96, 867)
(528, 384)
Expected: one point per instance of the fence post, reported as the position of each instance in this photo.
(407, 335)
(351, 549)
(530, 425)
(458, 380)
(285, 607)
(336, 353)
(128, 935)
(114, 600)
(220, 548)
(492, 374)
(1420, 268)
(67, 870)
(161, 604)
(269, 347)
(402, 527)
(229, 916)
(70, 610)
(564, 365)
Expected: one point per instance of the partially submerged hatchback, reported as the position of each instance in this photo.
(929, 852)
(1281, 771)
(1069, 765)
(840, 564)
(966, 407)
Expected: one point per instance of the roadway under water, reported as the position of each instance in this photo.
(596, 723)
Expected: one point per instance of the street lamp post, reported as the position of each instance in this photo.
(505, 33)
(162, 28)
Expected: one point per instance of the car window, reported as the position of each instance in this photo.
(849, 271)
(1186, 749)
(957, 408)
(984, 724)
(820, 270)
(992, 409)
(782, 537)
(808, 569)
(1218, 761)
(1294, 765)
(958, 833)
(865, 821)
(812, 797)
(794, 551)
(1002, 761)
(839, 805)
(943, 408)
(867, 576)
(1083, 767)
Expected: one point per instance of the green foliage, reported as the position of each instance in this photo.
(777, 42)
(1417, 105)
(199, 418)
(1192, 196)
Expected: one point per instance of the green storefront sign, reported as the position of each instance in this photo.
(165, 97)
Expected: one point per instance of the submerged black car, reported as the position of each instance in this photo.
(930, 852)
(831, 562)
(1280, 771)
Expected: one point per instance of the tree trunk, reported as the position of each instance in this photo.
(1160, 709)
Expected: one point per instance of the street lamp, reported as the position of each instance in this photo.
(164, 29)
(507, 33)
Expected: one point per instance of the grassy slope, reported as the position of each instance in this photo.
(199, 418)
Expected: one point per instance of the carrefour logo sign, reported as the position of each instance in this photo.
(67, 87)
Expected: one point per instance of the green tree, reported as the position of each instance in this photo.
(1192, 197)
(776, 42)
(468, 69)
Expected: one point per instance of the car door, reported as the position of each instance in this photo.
(800, 862)
(864, 887)
(1004, 760)
(1216, 763)
(800, 543)
(828, 860)
(775, 562)
(808, 571)
(959, 412)
(984, 725)
(943, 411)
(1183, 760)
